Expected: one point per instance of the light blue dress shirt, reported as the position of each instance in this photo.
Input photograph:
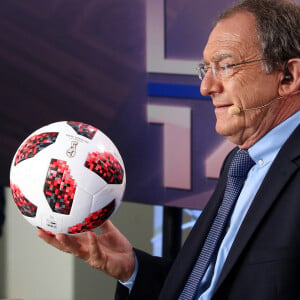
(263, 153)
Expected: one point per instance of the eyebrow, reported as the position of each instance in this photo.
(220, 56)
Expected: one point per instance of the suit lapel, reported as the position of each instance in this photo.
(279, 174)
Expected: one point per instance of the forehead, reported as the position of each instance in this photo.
(233, 37)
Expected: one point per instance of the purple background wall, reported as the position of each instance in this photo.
(70, 60)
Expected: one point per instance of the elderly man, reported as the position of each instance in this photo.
(246, 243)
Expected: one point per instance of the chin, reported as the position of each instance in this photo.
(229, 132)
(223, 128)
(228, 125)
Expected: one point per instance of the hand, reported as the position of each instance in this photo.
(109, 252)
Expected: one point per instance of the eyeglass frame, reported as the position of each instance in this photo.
(202, 66)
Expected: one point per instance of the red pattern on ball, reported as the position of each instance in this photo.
(94, 220)
(35, 144)
(106, 166)
(83, 129)
(27, 208)
(59, 187)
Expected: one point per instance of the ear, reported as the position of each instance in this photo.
(290, 82)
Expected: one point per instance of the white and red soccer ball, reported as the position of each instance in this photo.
(67, 177)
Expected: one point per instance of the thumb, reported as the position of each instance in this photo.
(107, 226)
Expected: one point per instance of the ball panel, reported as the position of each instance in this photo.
(35, 144)
(105, 166)
(83, 129)
(103, 197)
(59, 187)
(51, 222)
(94, 220)
(27, 208)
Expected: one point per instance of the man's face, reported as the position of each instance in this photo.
(234, 40)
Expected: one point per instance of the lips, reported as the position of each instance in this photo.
(222, 105)
(222, 108)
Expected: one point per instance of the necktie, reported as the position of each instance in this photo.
(238, 170)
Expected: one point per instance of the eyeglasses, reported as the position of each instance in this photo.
(223, 71)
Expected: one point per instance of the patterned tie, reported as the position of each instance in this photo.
(238, 170)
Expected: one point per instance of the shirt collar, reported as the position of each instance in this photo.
(266, 149)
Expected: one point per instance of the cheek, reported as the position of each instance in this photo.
(243, 93)
(251, 90)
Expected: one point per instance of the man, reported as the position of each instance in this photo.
(252, 73)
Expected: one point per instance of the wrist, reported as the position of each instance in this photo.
(126, 275)
(130, 281)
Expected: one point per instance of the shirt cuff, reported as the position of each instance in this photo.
(130, 282)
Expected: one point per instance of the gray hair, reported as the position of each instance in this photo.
(277, 26)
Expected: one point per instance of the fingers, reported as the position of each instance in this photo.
(95, 255)
(51, 239)
(107, 226)
(61, 241)
(68, 242)
(109, 252)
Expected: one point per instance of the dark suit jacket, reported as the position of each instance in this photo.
(264, 261)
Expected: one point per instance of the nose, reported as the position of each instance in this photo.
(210, 85)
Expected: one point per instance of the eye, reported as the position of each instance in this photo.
(227, 70)
(223, 67)
(206, 68)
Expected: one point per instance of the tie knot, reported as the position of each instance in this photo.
(240, 164)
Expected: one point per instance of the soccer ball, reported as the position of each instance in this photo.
(67, 177)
